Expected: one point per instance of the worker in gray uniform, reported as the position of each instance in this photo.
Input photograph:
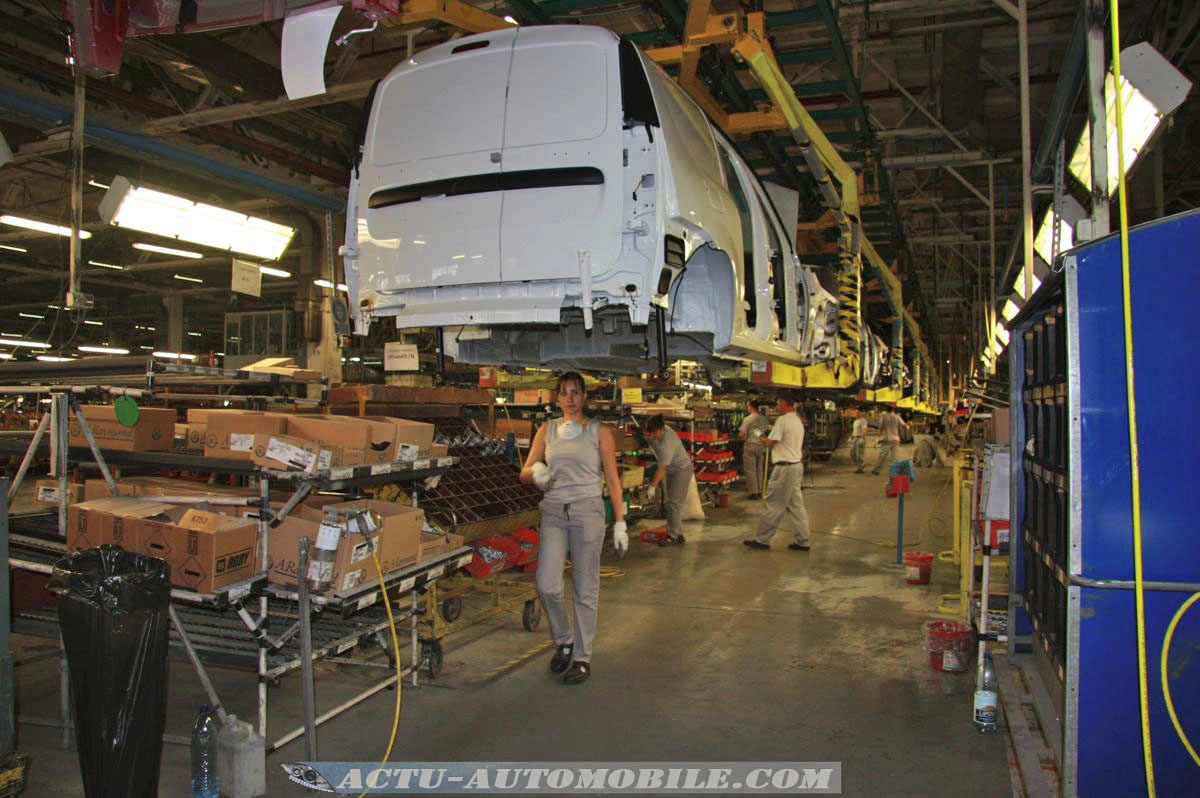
(784, 498)
(754, 452)
(858, 443)
(889, 438)
(675, 468)
(569, 459)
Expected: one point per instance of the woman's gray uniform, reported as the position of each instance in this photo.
(669, 451)
(572, 520)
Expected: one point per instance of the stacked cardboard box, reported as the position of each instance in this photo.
(154, 430)
(204, 549)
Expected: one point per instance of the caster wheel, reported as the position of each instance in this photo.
(451, 609)
(531, 616)
(431, 658)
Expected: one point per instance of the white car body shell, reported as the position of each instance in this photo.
(537, 191)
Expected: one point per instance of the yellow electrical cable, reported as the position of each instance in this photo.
(387, 605)
(1131, 399)
(1166, 686)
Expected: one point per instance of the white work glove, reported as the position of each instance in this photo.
(651, 492)
(620, 538)
(542, 476)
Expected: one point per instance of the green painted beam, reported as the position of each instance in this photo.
(800, 16)
(808, 55)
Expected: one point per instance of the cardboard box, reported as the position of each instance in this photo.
(631, 477)
(489, 377)
(413, 438)
(210, 550)
(522, 428)
(45, 491)
(230, 433)
(115, 520)
(153, 432)
(196, 434)
(199, 415)
(431, 546)
(439, 450)
(376, 439)
(162, 486)
(533, 396)
(287, 453)
(397, 541)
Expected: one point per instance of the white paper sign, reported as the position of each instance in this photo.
(400, 357)
(290, 454)
(247, 279)
(241, 441)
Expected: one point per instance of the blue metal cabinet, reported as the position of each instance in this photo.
(1074, 504)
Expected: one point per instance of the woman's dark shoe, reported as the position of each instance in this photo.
(562, 658)
(578, 672)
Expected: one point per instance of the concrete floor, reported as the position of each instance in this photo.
(706, 652)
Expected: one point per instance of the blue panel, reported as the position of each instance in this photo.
(1110, 746)
(1165, 265)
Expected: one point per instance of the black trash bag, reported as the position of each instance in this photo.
(113, 610)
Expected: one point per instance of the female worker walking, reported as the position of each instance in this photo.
(566, 461)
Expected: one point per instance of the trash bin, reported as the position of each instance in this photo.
(113, 610)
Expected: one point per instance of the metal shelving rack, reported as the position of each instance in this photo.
(272, 656)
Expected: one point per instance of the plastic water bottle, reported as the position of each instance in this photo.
(986, 697)
(205, 781)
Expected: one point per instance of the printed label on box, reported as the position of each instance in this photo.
(47, 494)
(406, 452)
(352, 579)
(320, 571)
(328, 536)
(241, 442)
(360, 552)
(289, 453)
(324, 460)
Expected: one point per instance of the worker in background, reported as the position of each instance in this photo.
(568, 460)
(674, 468)
(889, 438)
(754, 452)
(926, 453)
(858, 443)
(784, 497)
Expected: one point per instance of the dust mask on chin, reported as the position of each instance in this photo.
(570, 430)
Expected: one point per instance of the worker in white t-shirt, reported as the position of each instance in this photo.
(858, 443)
(784, 497)
(889, 438)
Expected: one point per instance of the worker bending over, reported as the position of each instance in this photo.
(889, 438)
(674, 467)
(784, 497)
(926, 453)
(754, 452)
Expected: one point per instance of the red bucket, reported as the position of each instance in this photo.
(917, 565)
(722, 499)
(654, 535)
(949, 645)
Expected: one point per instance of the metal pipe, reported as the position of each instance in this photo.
(201, 673)
(1122, 584)
(339, 709)
(97, 455)
(75, 298)
(28, 459)
(1026, 144)
(306, 655)
(7, 727)
(1097, 70)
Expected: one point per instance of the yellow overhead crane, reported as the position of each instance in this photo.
(746, 34)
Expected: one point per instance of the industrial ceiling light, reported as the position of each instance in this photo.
(1002, 334)
(14, 249)
(326, 284)
(104, 265)
(22, 342)
(188, 279)
(274, 272)
(1151, 88)
(53, 359)
(169, 216)
(31, 315)
(1043, 242)
(104, 350)
(174, 355)
(1009, 310)
(179, 253)
(41, 227)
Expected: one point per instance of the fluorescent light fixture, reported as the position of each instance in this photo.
(105, 265)
(1009, 310)
(509, 19)
(1018, 286)
(53, 359)
(169, 216)
(11, 248)
(326, 284)
(54, 307)
(194, 334)
(31, 315)
(41, 227)
(93, 322)
(1002, 334)
(179, 253)
(5, 356)
(188, 279)
(1151, 88)
(20, 342)
(174, 355)
(145, 348)
(96, 184)
(103, 350)
(274, 272)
